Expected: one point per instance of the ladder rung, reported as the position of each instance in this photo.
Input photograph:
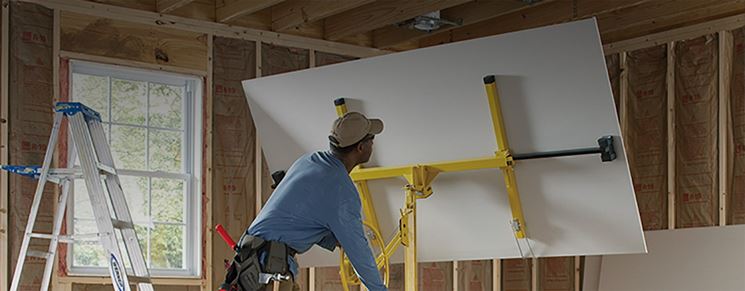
(121, 224)
(106, 169)
(137, 279)
(44, 235)
(65, 238)
(39, 254)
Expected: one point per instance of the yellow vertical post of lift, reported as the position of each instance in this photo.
(408, 239)
(518, 221)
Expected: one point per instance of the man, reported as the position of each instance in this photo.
(317, 202)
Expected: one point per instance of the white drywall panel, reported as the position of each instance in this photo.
(694, 259)
(555, 94)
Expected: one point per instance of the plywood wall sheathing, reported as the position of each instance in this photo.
(556, 274)
(696, 130)
(233, 146)
(736, 138)
(30, 105)
(646, 136)
(474, 275)
(323, 59)
(613, 63)
(517, 274)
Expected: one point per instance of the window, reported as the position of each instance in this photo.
(152, 122)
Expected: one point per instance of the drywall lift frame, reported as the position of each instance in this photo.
(420, 178)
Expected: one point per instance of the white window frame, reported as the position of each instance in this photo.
(192, 159)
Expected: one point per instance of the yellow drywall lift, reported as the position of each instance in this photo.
(420, 178)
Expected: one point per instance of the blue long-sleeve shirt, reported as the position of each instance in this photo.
(317, 203)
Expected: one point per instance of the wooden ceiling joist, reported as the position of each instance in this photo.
(657, 16)
(231, 9)
(165, 6)
(468, 13)
(379, 14)
(617, 19)
(293, 13)
(206, 27)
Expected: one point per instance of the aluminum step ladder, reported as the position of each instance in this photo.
(96, 162)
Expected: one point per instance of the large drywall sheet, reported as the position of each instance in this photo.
(696, 132)
(435, 108)
(233, 146)
(709, 258)
(646, 136)
(30, 106)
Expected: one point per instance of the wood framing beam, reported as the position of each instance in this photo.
(207, 174)
(293, 13)
(534, 274)
(726, 52)
(656, 16)
(670, 135)
(577, 273)
(236, 8)
(623, 107)
(379, 14)
(121, 62)
(207, 27)
(4, 158)
(617, 19)
(542, 13)
(496, 274)
(692, 31)
(165, 6)
(106, 280)
(258, 157)
(468, 13)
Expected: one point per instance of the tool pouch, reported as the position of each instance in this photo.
(243, 272)
(276, 261)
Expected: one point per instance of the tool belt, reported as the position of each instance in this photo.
(245, 269)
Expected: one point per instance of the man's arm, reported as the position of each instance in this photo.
(349, 231)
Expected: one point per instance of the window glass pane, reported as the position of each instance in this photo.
(128, 147)
(146, 126)
(88, 254)
(83, 207)
(93, 91)
(168, 200)
(165, 150)
(135, 191)
(166, 105)
(128, 101)
(167, 246)
(144, 238)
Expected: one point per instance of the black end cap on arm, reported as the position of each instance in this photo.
(489, 79)
(607, 151)
(339, 101)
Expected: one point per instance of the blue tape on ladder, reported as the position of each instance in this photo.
(71, 108)
(28, 171)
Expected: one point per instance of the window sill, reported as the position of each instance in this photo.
(158, 280)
